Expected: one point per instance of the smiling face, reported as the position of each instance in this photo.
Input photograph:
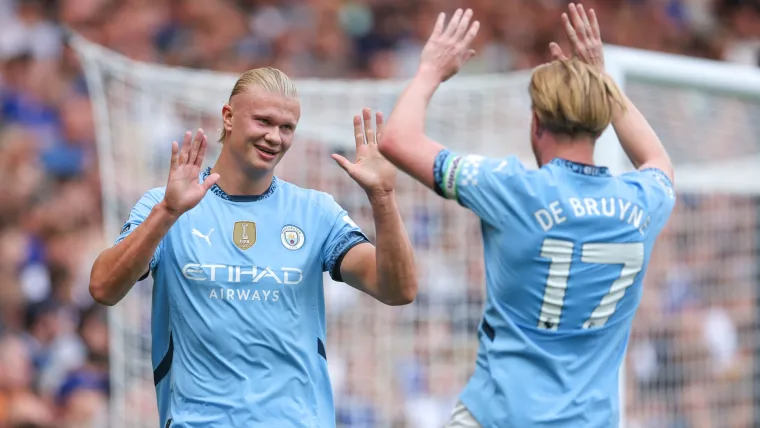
(259, 127)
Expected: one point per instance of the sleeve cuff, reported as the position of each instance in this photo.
(659, 175)
(439, 170)
(349, 241)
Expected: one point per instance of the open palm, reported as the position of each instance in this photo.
(585, 37)
(370, 170)
(448, 47)
(183, 189)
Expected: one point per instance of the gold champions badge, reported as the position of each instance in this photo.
(244, 234)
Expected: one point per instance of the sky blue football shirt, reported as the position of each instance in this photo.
(238, 311)
(566, 249)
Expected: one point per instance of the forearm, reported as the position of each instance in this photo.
(638, 139)
(396, 271)
(411, 108)
(403, 141)
(118, 268)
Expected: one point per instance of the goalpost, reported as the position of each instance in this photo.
(694, 354)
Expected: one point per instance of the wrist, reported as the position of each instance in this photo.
(381, 198)
(429, 76)
(166, 212)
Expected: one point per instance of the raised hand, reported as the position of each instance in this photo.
(448, 49)
(585, 37)
(183, 189)
(371, 170)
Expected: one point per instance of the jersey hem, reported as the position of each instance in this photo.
(471, 402)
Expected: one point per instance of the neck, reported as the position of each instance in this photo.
(580, 151)
(236, 181)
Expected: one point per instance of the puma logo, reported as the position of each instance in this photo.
(197, 233)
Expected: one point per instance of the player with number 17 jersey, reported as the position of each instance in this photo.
(566, 246)
(565, 251)
(238, 306)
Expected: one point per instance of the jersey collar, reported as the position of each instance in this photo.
(239, 198)
(581, 168)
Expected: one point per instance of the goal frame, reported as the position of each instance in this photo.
(628, 64)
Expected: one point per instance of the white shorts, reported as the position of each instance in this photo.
(462, 418)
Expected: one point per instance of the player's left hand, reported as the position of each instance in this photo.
(585, 37)
(371, 170)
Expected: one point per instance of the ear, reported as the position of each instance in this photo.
(536, 128)
(227, 118)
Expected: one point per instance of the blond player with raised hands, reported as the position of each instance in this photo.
(566, 246)
(238, 256)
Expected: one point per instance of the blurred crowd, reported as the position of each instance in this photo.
(54, 354)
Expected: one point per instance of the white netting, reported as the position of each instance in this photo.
(405, 366)
(693, 357)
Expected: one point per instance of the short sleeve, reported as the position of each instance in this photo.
(657, 193)
(479, 183)
(139, 213)
(344, 234)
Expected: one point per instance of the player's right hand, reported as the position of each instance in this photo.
(585, 37)
(183, 189)
(448, 48)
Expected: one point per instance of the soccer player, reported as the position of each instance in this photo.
(238, 315)
(566, 246)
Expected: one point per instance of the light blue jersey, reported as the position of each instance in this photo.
(238, 316)
(566, 249)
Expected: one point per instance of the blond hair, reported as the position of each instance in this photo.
(269, 79)
(572, 98)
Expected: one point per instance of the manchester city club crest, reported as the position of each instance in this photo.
(244, 234)
(292, 237)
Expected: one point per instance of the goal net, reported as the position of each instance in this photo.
(692, 354)
(693, 359)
